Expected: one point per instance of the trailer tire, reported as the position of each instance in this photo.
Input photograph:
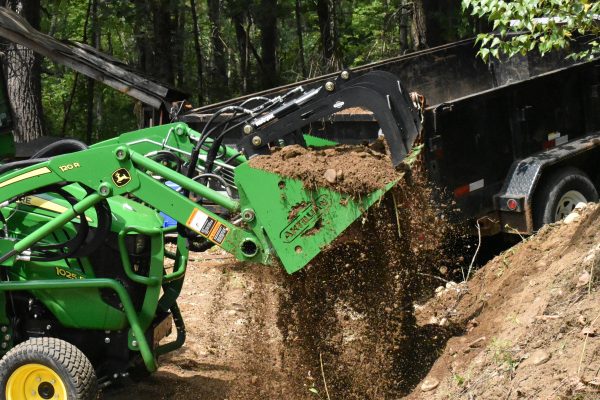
(559, 193)
(43, 368)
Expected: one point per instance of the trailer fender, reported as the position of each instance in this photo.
(515, 201)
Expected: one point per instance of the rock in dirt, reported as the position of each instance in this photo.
(589, 331)
(330, 175)
(571, 218)
(584, 279)
(539, 357)
(429, 384)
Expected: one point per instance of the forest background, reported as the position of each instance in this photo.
(211, 49)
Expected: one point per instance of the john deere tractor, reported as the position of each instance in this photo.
(86, 296)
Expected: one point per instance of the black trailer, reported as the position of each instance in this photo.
(515, 143)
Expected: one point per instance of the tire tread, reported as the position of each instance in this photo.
(47, 350)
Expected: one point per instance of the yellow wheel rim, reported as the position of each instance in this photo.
(35, 382)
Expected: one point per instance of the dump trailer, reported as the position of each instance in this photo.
(86, 295)
(514, 143)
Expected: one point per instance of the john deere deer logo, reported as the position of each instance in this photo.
(121, 177)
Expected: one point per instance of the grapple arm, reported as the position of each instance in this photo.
(377, 91)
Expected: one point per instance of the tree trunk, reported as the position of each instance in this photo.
(412, 25)
(239, 17)
(142, 35)
(419, 26)
(219, 78)
(267, 21)
(162, 45)
(23, 78)
(69, 104)
(299, 33)
(404, 14)
(329, 33)
(180, 47)
(198, 48)
(90, 81)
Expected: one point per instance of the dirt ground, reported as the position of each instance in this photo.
(527, 325)
(529, 321)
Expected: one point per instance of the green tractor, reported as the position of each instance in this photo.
(86, 296)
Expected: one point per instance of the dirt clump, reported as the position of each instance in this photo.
(346, 168)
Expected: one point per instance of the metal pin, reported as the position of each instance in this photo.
(256, 141)
(247, 129)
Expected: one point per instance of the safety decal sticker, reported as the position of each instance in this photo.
(207, 226)
(220, 234)
(201, 222)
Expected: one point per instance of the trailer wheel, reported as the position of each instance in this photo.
(559, 193)
(47, 368)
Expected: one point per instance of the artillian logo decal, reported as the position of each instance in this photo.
(306, 218)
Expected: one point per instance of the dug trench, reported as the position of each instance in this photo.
(365, 320)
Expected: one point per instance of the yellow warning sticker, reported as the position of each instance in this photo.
(207, 226)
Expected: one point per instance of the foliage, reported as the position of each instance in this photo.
(543, 25)
(368, 31)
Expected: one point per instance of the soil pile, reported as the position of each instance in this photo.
(530, 321)
(347, 169)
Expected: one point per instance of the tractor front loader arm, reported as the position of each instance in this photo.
(117, 170)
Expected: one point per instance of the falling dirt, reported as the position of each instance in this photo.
(377, 316)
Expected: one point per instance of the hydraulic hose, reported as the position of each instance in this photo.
(63, 146)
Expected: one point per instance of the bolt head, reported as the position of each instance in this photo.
(256, 141)
(4, 345)
(107, 340)
(248, 215)
(329, 86)
(121, 153)
(179, 130)
(4, 329)
(247, 129)
(6, 338)
(345, 75)
(104, 190)
(134, 343)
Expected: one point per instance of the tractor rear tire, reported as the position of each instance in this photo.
(559, 193)
(47, 368)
